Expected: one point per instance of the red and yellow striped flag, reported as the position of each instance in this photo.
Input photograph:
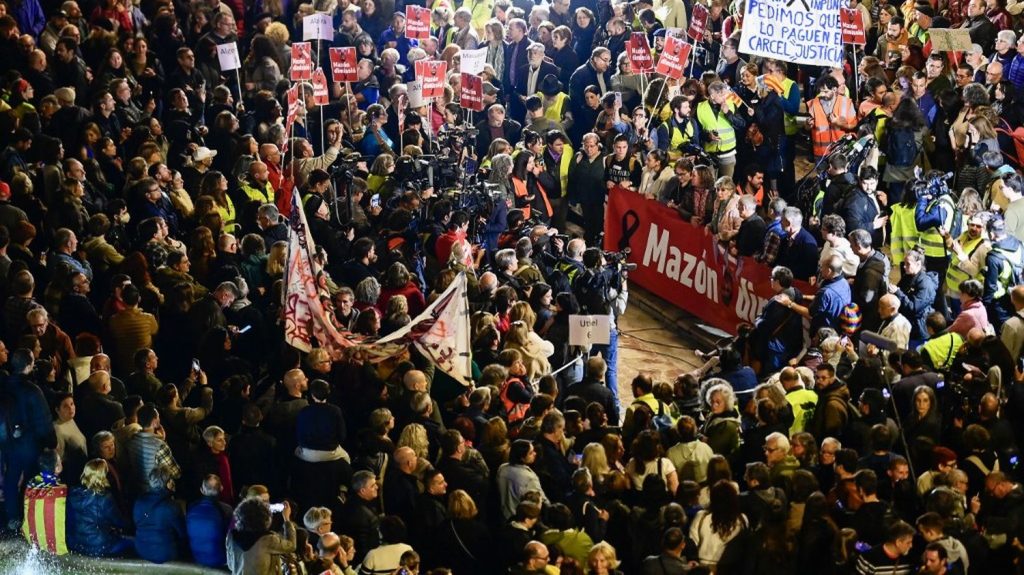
(45, 513)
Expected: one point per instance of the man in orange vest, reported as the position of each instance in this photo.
(832, 116)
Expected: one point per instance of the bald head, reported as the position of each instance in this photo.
(99, 382)
(295, 382)
(415, 380)
(1017, 297)
(100, 362)
(405, 458)
(258, 172)
(329, 544)
(888, 306)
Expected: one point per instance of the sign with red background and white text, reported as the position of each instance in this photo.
(685, 264)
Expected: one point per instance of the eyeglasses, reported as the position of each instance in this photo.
(771, 449)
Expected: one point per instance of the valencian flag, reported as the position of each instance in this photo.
(306, 318)
(45, 514)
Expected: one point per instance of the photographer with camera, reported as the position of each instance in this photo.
(602, 289)
(937, 219)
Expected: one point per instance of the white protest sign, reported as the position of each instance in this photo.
(414, 90)
(586, 330)
(472, 61)
(795, 31)
(317, 26)
(227, 54)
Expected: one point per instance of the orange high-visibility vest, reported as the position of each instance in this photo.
(823, 133)
(522, 192)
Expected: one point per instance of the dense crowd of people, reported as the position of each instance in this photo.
(147, 196)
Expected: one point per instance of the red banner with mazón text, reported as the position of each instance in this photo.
(685, 264)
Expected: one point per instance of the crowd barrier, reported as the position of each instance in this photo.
(684, 264)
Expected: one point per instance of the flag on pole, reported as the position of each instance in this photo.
(441, 333)
(305, 317)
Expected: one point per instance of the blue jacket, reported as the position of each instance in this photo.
(800, 255)
(830, 300)
(207, 530)
(917, 296)
(1016, 72)
(159, 527)
(93, 522)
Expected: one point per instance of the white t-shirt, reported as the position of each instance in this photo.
(667, 469)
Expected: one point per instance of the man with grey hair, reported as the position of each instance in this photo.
(465, 36)
(360, 517)
(208, 520)
(718, 119)
(530, 76)
(495, 126)
(750, 238)
(272, 228)
(506, 264)
(798, 249)
(872, 278)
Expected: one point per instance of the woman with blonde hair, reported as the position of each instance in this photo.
(534, 355)
(95, 525)
(595, 460)
(414, 436)
(464, 536)
(276, 260)
(523, 311)
(602, 560)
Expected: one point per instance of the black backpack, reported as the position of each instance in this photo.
(592, 293)
(902, 149)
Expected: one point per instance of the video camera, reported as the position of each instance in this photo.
(936, 182)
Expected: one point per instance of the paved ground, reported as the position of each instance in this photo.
(650, 342)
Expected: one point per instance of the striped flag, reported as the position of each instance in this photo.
(305, 316)
(45, 513)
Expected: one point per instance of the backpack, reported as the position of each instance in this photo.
(592, 293)
(902, 149)
(661, 421)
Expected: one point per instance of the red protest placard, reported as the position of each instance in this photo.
(417, 22)
(432, 74)
(343, 64)
(320, 94)
(472, 97)
(302, 62)
(673, 58)
(640, 53)
(294, 105)
(698, 23)
(853, 26)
